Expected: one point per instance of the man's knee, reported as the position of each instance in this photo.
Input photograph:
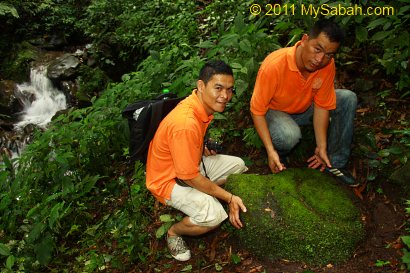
(286, 137)
(346, 99)
(211, 215)
(238, 165)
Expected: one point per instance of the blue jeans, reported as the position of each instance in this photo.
(285, 131)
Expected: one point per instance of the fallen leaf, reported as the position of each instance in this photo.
(362, 110)
(358, 190)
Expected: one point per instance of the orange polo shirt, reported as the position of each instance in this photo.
(280, 85)
(177, 147)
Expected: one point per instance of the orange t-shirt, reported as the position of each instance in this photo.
(280, 85)
(177, 147)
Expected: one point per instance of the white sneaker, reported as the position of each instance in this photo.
(178, 248)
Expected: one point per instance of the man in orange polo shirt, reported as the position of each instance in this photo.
(177, 172)
(295, 85)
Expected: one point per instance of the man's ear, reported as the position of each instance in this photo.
(304, 39)
(200, 85)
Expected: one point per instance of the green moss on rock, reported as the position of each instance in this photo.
(298, 215)
(16, 66)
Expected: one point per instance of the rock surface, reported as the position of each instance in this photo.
(63, 68)
(297, 215)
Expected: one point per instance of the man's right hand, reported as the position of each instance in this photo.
(274, 163)
(261, 127)
(235, 206)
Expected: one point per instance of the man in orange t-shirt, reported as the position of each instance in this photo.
(174, 173)
(296, 84)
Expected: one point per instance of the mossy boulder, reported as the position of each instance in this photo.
(299, 215)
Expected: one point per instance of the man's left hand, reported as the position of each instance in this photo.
(319, 160)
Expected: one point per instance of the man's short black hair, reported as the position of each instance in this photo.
(213, 68)
(332, 30)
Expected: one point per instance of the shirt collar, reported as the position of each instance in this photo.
(200, 109)
(291, 57)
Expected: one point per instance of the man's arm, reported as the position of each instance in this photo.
(320, 125)
(261, 127)
(235, 203)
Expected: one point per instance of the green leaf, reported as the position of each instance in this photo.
(4, 250)
(361, 33)
(186, 268)
(36, 231)
(166, 218)
(371, 176)
(7, 162)
(384, 153)
(73, 229)
(206, 44)
(44, 249)
(406, 258)
(403, 10)
(53, 197)
(160, 232)
(5, 201)
(240, 87)
(396, 150)
(230, 40)
(385, 161)
(380, 35)
(381, 263)
(406, 240)
(373, 24)
(135, 188)
(55, 214)
(219, 116)
(10, 262)
(236, 259)
(239, 23)
(89, 183)
(236, 66)
(246, 46)
(5, 9)
(296, 36)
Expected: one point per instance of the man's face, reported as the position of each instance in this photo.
(317, 53)
(216, 93)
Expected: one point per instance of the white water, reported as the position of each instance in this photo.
(40, 99)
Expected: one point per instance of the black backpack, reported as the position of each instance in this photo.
(144, 118)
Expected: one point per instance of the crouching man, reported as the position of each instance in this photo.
(184, 174)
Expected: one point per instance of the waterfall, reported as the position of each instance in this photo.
(40, 99)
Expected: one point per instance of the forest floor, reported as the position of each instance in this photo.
(382, 204)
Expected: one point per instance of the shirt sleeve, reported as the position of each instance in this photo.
(186, 151)
(265, 86)
(325, 96)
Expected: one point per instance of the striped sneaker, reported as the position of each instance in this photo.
(343, 176)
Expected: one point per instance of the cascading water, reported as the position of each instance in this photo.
(40, 99)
